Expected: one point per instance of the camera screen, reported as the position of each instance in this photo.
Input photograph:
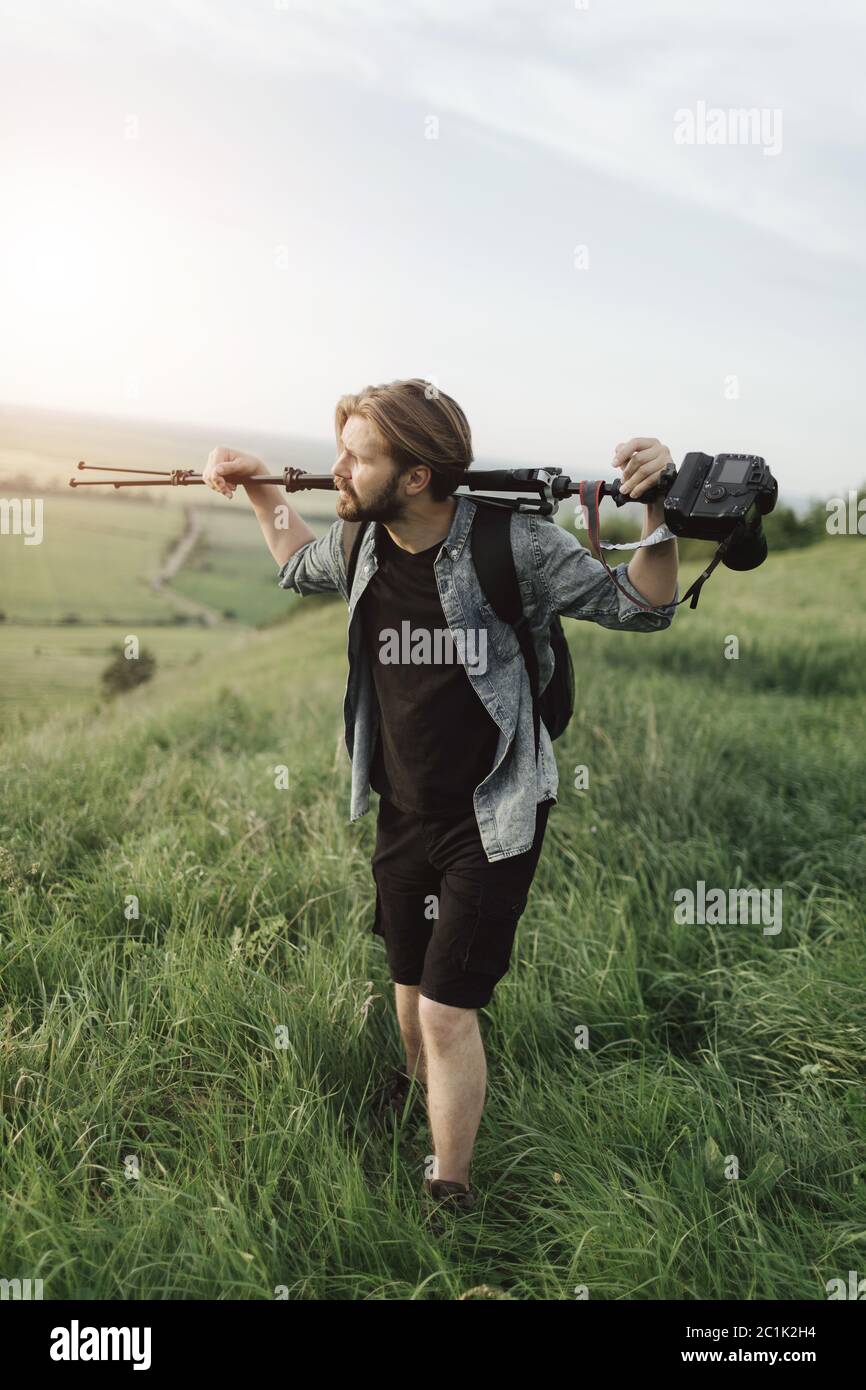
(733, 471)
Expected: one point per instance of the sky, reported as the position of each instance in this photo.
(230, 214)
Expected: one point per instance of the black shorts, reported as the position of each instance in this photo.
(448, 916)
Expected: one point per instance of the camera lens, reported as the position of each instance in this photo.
(747, 550)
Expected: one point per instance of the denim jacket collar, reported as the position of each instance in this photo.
(460, 524)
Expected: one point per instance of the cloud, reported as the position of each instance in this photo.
(597, 88)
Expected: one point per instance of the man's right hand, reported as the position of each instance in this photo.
(225, 467)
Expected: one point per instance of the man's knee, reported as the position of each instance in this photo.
(442, 1024)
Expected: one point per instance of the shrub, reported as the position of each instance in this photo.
(125, 673)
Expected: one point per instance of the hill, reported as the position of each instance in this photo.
(166, 911)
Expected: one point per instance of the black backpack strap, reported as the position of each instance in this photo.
(493, 559)
(352, 536)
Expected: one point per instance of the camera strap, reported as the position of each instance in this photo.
(661, 533)
(694, 590)
(590, 495)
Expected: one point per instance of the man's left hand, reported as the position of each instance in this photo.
(642, 460)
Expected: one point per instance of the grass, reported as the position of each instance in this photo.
(66, 602)
(155, 1037)
(49, 668)
(94, 561)
(231, 571)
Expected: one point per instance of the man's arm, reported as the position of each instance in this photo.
(577, 585)
(654, 569)
(319, 567)
(227, 468)
(307, 565)
(270, 505)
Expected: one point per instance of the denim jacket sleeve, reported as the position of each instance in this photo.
(318, 567)
(576, 585)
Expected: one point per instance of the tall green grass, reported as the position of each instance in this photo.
(154, 1038)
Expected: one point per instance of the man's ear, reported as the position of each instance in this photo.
(419, 477)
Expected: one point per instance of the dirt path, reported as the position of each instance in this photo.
(175, 560)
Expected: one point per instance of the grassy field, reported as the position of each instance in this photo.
(94, 562)
(231, 569)
(68, 600)
(56, 667)
(149, 1043)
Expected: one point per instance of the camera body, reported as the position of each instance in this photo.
(711, 497)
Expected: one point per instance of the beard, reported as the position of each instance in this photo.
(385, 506)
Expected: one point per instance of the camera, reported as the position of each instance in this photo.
(723, 498)
(711, 497)
(720, 498)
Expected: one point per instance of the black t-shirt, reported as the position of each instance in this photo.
(436, 740)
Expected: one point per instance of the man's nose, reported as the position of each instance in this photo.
(339, 469)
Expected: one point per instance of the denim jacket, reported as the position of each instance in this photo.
(556, 574)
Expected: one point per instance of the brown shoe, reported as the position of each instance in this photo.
(454, 1196)
(388, 1103)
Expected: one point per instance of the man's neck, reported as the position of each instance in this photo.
(421, 530)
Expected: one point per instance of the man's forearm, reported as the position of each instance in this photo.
(270, 506)
(653, 570)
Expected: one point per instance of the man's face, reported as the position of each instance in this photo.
(371, 487)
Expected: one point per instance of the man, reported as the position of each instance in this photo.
(448, 745)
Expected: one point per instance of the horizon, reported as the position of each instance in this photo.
(798, 501)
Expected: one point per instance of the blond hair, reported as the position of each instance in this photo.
(419, 424)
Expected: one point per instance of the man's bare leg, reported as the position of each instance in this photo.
(456, 1084)
(410, 1029)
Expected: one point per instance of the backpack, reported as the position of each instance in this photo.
(352, 535)
(494, 564)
